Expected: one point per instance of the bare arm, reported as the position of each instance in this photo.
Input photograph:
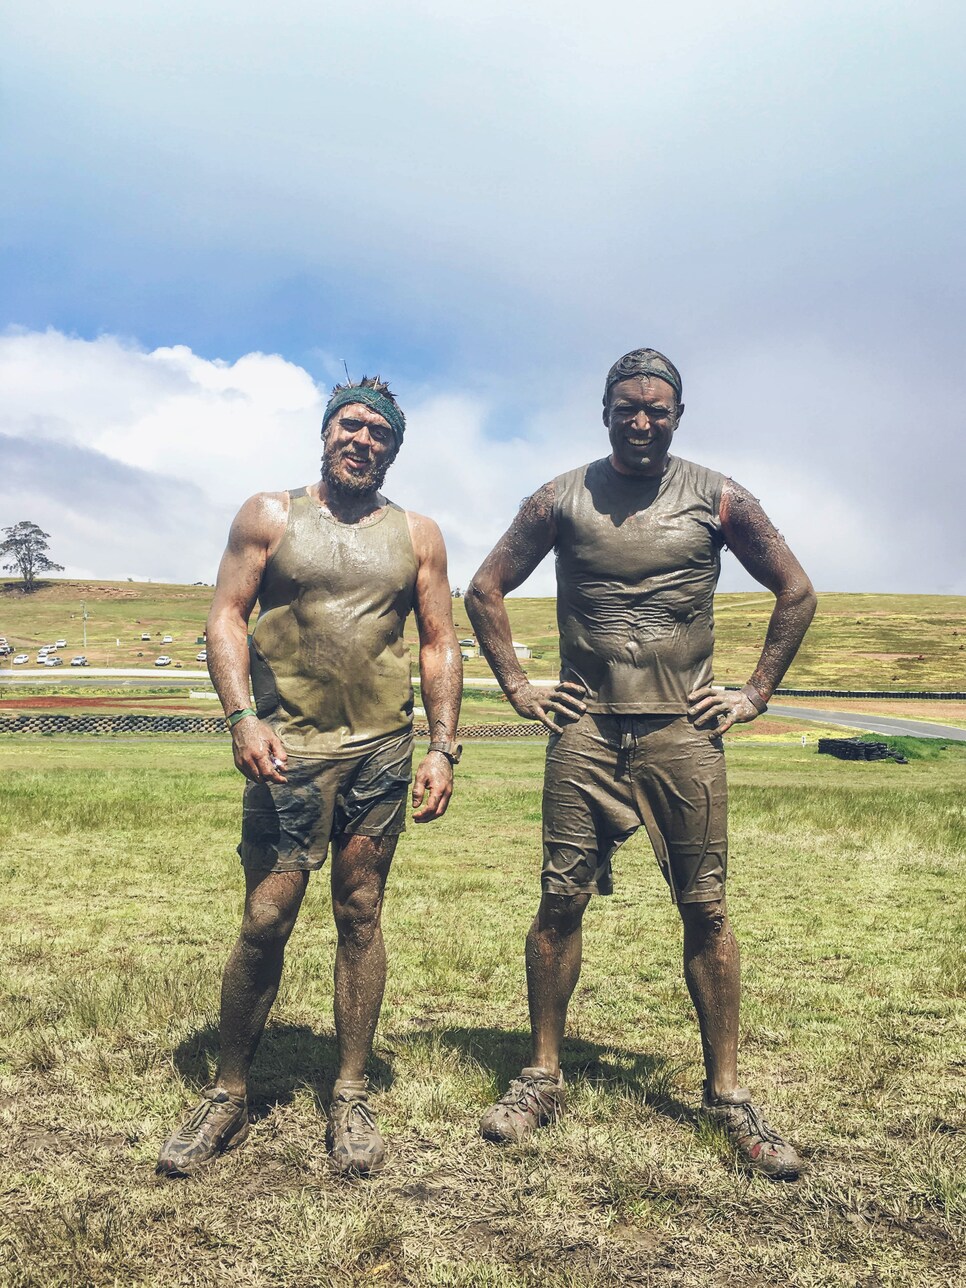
(254, 535)
(762, 551)
(528, 540)
(440, 667)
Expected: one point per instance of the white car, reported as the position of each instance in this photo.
(78, 661)
(42, 652)
(145, 635)
(167, 639)
(202, 656)
(53, 661)
(163, 660)
(20, 659)
(60, 644)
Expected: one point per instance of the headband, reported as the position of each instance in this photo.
(643, 362)
(372, 398)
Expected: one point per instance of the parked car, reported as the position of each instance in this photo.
(42, 652)
(78, 661)
(202, 656)
(145, 635)
(60, 644)
(5, 649)
(20, 659)
(53, 660)
(167, 639)
(163, 660)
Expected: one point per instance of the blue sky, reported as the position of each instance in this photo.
(206, 208)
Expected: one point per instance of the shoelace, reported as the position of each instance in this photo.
(759, 1125)
(360, 1109)
(525, 1092)
(201, 1113)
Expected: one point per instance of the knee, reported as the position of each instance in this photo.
(267, 925)
(357, 916)
(561, 914)
(710, 920)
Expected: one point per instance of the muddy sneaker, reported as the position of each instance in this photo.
(352, 1137)
(218, 1123)
(758, 1146)
(533, 1100)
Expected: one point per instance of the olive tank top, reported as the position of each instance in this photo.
(329, 668)
(637, 564)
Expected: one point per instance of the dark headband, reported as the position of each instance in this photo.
(643, 362)
(372, 398)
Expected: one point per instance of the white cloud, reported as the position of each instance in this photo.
(135, 461)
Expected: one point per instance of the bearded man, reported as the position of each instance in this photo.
(636, 738)
(327, 748)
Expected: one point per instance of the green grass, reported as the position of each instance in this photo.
(856, 641)
(122, 900)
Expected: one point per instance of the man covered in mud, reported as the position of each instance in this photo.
(327, 748)
(635, 724)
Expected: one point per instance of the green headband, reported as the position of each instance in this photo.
(372, 398)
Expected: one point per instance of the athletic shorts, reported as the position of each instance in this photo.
(286, 827)
(607, 775)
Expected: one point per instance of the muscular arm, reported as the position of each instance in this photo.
(761, 550)
(255, 533)
(528, 540)
(440, 667)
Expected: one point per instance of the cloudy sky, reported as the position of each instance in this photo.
(207, 208)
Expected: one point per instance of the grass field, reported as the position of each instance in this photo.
(122, 899)
(856, 641)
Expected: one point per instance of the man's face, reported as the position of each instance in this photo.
(358, 448)
(641, 416)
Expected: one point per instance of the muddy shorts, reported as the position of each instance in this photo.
(607, 775)
(286, 827)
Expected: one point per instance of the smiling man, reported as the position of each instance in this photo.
(327, 747)
(636, 725)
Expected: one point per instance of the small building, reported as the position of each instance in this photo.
(521, 650)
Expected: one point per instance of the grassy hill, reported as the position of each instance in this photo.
(856, 641)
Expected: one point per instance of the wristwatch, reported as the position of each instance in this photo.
(451, 750)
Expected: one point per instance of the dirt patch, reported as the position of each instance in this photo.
(54, 702)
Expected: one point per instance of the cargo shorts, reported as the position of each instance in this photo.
(607, 775)
(286, 827)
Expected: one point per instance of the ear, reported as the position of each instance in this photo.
(680, 414)
(604, 415)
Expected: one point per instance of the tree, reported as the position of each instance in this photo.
(26, 544)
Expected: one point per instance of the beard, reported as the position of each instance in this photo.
(353, 484)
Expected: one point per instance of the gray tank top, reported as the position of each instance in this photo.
(637, 565)
(329, 667)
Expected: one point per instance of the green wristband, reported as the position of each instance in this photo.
(240, 715)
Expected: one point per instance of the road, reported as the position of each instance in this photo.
(892, 725)
(142, 678)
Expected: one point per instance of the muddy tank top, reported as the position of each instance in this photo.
(637, 564)
(329, 668)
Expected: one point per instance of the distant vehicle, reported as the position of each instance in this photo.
(78, 661)
(60, 644)
(53, 661)
(167, 639)
(20, 659)
(5, 649)
(163, 660)
(43, 651)
(202, 656)
(145, 635)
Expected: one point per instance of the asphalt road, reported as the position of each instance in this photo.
(893, 725)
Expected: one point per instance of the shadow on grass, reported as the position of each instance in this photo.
(652, 1077)
(290, 1058)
